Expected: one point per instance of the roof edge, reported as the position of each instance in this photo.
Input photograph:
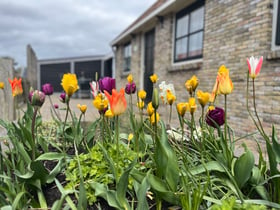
(137, 25)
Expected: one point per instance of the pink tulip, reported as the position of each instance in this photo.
(254, 65)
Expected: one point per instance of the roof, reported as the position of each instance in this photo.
(151, 12)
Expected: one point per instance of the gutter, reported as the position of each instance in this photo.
(146, 19)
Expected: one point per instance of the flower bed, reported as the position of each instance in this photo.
(147, 164)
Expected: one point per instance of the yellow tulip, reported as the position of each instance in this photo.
(192, 105)
(142, 94)
(170, 97)
(2, 85)
(130, 137)
(150, 109)
(191, 84)
(130, 78)
(203, 97)
(225, 85)
(83, 108)
(100, 102)
(69, 84)
(109, 113)
(141, 104)
(152, 118)
(154, 78)
(182, 108)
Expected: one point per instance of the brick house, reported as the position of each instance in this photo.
(179, 38)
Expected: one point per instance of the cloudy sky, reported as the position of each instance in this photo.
(64, 28)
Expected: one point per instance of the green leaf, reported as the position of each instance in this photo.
(166, 160)
(64, 194)
(102, 191)
(51, 156)
(243, 167)
(275, 145)
(17, 199)
(141, 194)
(209, 166)
(122, 186)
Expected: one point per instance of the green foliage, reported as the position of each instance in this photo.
(230, 204)
(96, 168)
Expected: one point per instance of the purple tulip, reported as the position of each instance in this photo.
(130, 88)
(215, 117)
(36, 98)
(55, 106)
(62, 97)
(108, 84)
(47, 89)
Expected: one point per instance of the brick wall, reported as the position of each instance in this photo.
(234, 30)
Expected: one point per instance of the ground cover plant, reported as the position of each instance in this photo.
(143, 164)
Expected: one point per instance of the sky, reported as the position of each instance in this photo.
(64, 28)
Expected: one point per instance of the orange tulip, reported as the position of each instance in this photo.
(16, 86)
(117, 101)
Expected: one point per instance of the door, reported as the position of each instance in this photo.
(149, 42)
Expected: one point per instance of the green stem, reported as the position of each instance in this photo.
(255, 107)
(65, 121)
(33, 132)
(192, 127)
(225, 128)
(117, 141)
(170, 115)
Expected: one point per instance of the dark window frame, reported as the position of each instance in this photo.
(187, 11)
(127, 57)
(277, 35)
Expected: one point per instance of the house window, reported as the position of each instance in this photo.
(276, 26)
(189, 32)
(127, 57)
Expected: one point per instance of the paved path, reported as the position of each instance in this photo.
(91, 113)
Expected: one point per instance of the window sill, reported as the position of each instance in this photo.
(273, 55)
(186, 66)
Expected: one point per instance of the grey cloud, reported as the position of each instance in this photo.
(64, 28)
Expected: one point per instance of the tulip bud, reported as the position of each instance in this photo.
(47, 89)
(215, 117)
(37, 98)
(155, 98)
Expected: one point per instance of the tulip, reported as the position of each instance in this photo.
(254, 65)
(83, 108)
(150, 109)
(16, 86)
(100, 103)
(192, 105)
(130, 78)
(130, 137)
(224, 83)
(117, 101)
(56, 106)
(130, 88)
(141, 104)
(107, 84)
(47, 89)
(142, 94)
(154, 78)
(191, 84)
(69, 84)
(170, 98)
(154, 118)
(155, 98)
(215, 117)
(36, 98)
(203, 97)
(166, 89)
(62, 97)
(182, 108)
(94, 86)
(2, 85)
(109, 113)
